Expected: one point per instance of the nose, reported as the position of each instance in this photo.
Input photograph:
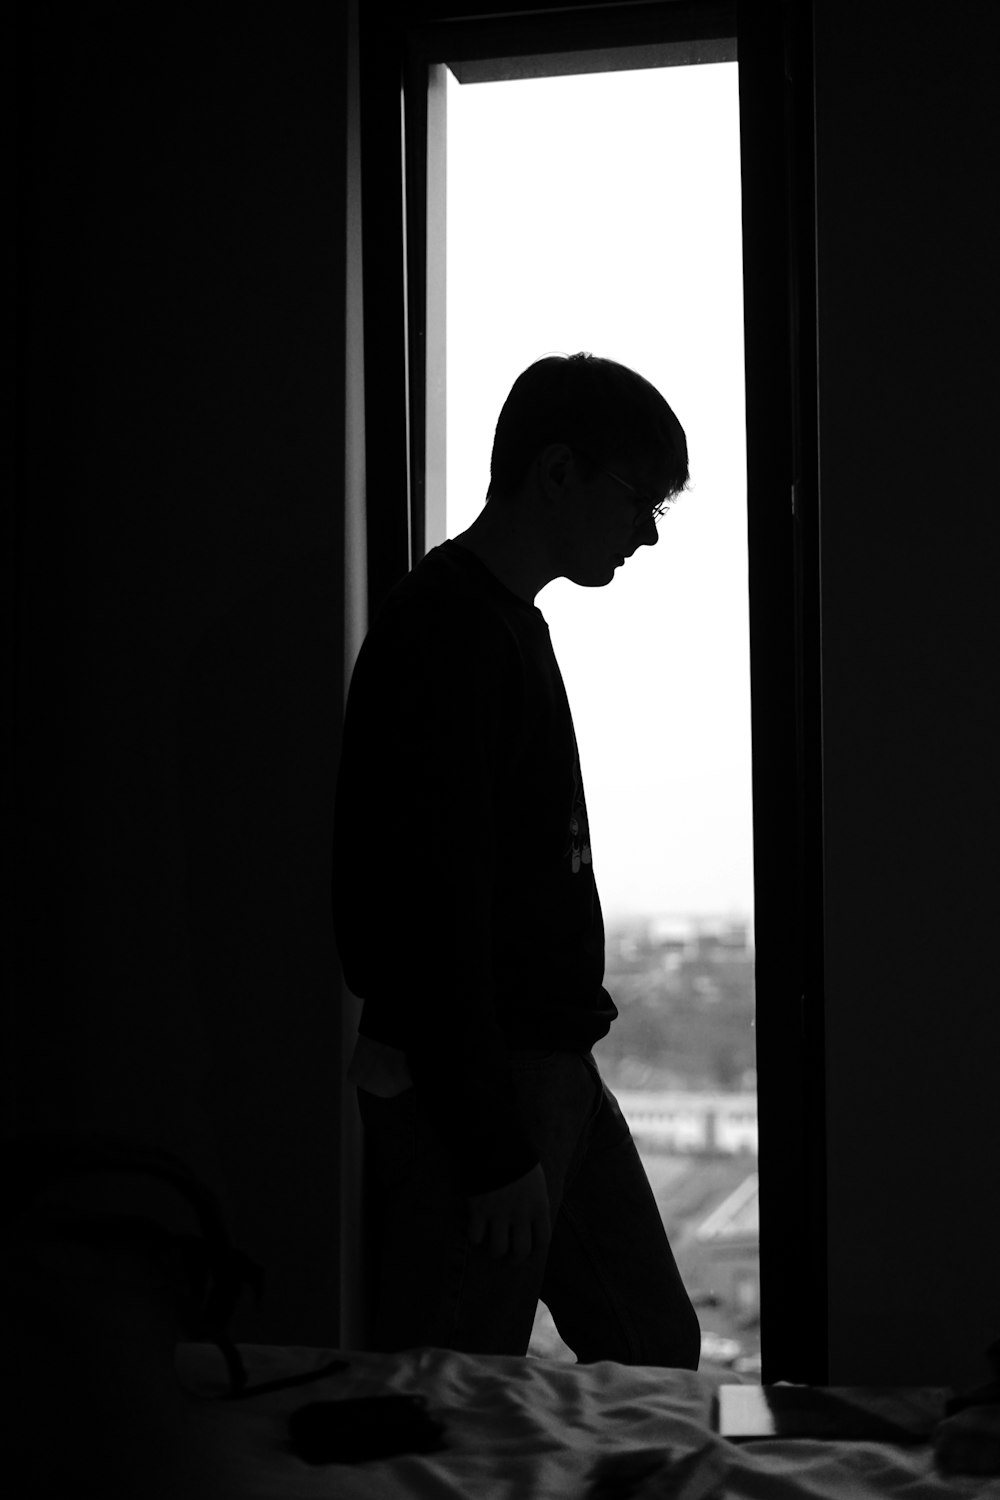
(648, 534)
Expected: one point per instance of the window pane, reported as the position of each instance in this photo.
(602, 212)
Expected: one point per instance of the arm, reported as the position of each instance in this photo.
(414, 854)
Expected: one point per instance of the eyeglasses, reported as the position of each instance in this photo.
(649, 509)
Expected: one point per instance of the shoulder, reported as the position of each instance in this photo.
(450, 607)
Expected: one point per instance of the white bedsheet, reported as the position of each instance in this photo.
(523, 1428)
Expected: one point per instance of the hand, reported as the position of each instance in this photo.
(512, 1220)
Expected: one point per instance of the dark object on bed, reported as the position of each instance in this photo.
(367, 1427)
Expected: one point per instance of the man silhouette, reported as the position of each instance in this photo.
(467, 916)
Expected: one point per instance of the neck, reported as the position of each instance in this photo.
(503, 538)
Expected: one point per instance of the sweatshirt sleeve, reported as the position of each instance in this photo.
(430, 711)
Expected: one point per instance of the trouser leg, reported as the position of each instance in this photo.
(607, 1275)
(431, 1285)
(611, 1282)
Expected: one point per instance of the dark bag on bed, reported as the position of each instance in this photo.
(363, 1428)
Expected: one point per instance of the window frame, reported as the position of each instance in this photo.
(402, 136)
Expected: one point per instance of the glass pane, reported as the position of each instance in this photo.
(602, 212)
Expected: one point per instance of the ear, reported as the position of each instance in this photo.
(556, 469)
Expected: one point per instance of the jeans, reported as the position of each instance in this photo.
(607, 1274)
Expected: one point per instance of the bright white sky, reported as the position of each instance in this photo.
(602, 212)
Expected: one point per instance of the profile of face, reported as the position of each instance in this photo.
(598, 523)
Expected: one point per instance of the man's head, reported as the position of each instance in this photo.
(606, 414)
(587, 455)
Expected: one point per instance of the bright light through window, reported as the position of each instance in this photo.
(602, 212)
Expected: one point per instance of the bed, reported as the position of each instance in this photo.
(514, 1429)
(105, 1389)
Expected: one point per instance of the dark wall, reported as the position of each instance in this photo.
(909, 328)
(179, 605)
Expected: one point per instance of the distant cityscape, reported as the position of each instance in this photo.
(684, 987)
(667, 1120)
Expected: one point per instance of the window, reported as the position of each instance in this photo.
(404, 274)
(602, 210)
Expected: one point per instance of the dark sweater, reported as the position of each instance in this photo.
(467, 917)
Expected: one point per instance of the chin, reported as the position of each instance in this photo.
(593, 578)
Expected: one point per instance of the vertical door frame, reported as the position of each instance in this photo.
(779, 258)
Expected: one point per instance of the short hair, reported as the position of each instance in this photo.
(603, 411)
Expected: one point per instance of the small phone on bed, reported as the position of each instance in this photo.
(879, 1414)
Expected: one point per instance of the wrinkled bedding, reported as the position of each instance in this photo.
(516, 1428)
